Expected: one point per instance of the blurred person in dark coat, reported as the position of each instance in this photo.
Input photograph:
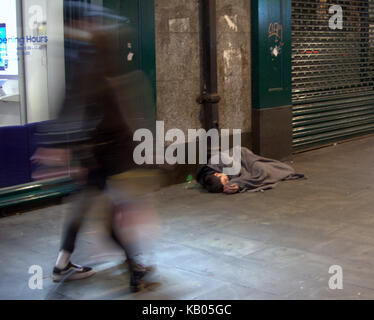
(91, 132)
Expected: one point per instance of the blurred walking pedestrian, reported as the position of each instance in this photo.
(91, 132)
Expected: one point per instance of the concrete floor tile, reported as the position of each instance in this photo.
(274, 245)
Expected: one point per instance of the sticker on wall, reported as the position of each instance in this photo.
(130, 56)
(275, 36)
(179, 25)
(276, 51)
(232, 22)
(232, 63)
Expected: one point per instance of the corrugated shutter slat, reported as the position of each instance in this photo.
(332, 72)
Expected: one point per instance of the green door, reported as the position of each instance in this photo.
(136, 49)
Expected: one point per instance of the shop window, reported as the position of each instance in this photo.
(10, 106)
(32, 66)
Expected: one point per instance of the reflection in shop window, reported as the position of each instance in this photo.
(10, 111)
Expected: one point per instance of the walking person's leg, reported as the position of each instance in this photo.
(64, 268)
(127, 241)
(124, 229)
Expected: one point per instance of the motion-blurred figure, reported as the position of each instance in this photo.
(91, 135)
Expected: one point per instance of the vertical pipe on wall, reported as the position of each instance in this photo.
(209, 97)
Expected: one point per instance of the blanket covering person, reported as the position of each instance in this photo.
(257, 173)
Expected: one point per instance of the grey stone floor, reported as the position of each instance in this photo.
(278, 244)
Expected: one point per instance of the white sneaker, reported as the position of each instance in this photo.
(72, 272)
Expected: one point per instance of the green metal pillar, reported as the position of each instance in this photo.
(271, 77)
(141, 43)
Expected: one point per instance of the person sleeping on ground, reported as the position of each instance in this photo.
(256, 174)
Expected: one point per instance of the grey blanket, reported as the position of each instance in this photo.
(258, 173)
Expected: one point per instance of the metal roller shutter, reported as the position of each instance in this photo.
(332, 72)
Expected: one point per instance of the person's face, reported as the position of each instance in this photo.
(224, 179)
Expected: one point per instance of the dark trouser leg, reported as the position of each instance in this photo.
(130, 251)
(127, 248)
(75, 220)
(125, 244)
(96, 181)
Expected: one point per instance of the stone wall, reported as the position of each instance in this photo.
(234, 64)
(178, 63)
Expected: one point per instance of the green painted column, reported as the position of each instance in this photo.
(148, 40)
(142, 20)
(272, 77)
(137, 50)
(271, 53)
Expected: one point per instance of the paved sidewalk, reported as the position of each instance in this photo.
(278, 244)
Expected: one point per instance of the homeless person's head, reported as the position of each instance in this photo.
(213, 184)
